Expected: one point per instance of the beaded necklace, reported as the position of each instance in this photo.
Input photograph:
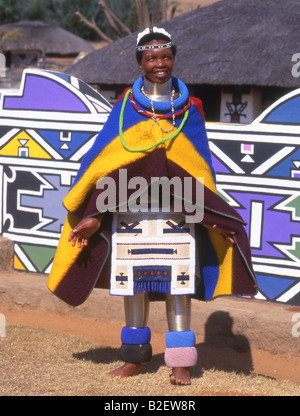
(121, 120)
(154, 117)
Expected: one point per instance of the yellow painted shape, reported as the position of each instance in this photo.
(34, 149)
(17, 264)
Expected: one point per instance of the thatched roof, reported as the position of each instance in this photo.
(45, 37)
(231, 42)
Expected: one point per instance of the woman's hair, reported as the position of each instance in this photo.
(153, 36)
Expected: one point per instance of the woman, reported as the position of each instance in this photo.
(161, 133)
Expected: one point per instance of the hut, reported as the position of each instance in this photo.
(41, 45)
(235, 55)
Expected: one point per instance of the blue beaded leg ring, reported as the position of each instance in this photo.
(182, 339)
(135, 335)
(136, 347)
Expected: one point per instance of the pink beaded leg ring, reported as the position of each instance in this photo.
(181, 357)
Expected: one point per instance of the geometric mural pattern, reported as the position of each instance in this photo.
(258, 172)
(45, 130)
(47, 127)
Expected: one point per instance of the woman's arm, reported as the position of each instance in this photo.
(84, 230)
(227, 235)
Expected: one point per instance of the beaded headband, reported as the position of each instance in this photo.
(150, 30)
(147, 47)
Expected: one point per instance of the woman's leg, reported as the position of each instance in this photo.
(136, 310)
(178, 312)
(180, 353)
(136, 348)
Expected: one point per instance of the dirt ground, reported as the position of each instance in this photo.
(238, 358)
(243, 345)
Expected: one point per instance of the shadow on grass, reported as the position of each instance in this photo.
(101, 355)
(108, 355)
(221, 350)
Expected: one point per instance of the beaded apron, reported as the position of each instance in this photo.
(152, 253)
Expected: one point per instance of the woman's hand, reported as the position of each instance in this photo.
(227, 235)
(84, 230)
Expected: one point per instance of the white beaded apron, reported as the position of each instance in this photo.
(152, 252)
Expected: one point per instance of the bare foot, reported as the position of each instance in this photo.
(127, 370)
(180, 376)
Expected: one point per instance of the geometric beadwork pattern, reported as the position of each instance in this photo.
(45, 130)
(258, 170)
(147, 258)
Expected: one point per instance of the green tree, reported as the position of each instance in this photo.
(11, 10)
(63, 13)
(36, 10)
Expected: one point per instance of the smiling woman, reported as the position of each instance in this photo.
(157, 64)
(155, 55)
(155, 130)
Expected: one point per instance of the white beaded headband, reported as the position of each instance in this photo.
(150, 30)
(161, 46)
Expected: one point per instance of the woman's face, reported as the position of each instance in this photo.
(157, 63)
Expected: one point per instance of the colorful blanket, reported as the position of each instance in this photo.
(225, 269)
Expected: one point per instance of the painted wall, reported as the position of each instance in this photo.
(258, 172)
(49, 124)
(45, 130)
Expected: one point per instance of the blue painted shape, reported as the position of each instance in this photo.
(273, 286)
(283, 169)
(65, 148)
(219, 167)
(48, 203)
(288, 112)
